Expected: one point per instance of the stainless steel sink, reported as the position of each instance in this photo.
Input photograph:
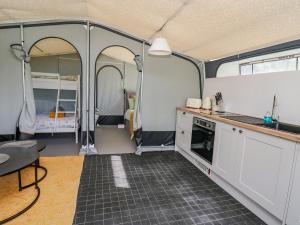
(244, 119)
(259, 122)
(283, 127)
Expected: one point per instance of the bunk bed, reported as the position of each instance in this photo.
(62, 121)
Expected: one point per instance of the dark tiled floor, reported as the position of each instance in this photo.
(156, 188)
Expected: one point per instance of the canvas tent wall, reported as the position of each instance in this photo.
(110, 95)
(117, 63)
(10, 82)
(174, 78)
(129, 69)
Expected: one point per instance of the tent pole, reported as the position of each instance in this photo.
(88, 149)
(87, 83)
(23, 62)
(142, 82)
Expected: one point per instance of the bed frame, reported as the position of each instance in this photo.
(54, 81)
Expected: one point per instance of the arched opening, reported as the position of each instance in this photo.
(115, 91)
(109, 96)
(56, 70)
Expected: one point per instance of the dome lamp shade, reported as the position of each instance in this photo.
(160, 47)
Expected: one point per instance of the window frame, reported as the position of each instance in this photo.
(273, 59)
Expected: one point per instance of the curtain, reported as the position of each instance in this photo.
(137, 121)
(27, 119)
(28, 114)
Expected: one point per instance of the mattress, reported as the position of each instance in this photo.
(66, 77)
(127, 114)
(44, 122)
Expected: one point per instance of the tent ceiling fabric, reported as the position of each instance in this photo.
(119, 53)
(51, 46)
(202, 29)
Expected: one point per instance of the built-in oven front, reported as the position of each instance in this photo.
(203, 135)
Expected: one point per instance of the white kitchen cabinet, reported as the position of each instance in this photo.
(224, 158)
(264, 169)
(184, 125)
(183, 139)
(184, 121)
(293, 213)
(258, 165)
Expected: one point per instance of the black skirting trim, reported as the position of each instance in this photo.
(155, 138)
(110, 120)
(7, 137)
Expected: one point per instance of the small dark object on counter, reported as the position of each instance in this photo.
(218, 98)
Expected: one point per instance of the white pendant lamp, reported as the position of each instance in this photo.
(160, 47)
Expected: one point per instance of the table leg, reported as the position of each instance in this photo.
(36, 164)
(20, 180)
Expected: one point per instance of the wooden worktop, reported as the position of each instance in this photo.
(208, 114)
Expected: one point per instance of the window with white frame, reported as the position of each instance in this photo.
(280, 64)
(288, 60)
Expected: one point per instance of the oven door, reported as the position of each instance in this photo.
(203, 142)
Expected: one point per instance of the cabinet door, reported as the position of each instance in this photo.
(265, 165)
(184, 121)
(224, 151)
(293, 216)
(183, 139)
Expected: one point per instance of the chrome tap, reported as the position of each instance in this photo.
(277, 123)
(274, 106)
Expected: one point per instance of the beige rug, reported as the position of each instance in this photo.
(57, 202)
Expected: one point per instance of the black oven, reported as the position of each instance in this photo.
(203, 135)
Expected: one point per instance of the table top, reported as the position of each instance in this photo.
(39, 147)
(30, 144)
(19, 158)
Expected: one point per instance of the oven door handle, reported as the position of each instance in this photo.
(210, 132)
(205, 129)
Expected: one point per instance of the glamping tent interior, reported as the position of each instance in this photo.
(149, 112)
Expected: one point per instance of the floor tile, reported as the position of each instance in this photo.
(155, 188)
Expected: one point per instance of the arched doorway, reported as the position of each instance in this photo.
(110, 98)
(115, 90)
(56, 70)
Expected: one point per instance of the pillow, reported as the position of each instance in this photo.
(131, 102)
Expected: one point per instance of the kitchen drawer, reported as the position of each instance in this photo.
(184, 121)
(183, 139)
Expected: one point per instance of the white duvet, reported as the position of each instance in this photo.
(43, 121)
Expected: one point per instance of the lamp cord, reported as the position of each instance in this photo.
(185, 3)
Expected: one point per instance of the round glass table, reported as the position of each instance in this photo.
(20, 158)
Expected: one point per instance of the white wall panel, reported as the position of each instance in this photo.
(253, 95)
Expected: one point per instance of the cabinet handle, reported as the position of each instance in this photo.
(182, 132)
(234, 129)
(240, 131)
(183, 113)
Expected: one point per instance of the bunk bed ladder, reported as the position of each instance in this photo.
(57, 103)
(75, 101)
(75, 116)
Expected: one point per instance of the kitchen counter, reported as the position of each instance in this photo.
(208, 114)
